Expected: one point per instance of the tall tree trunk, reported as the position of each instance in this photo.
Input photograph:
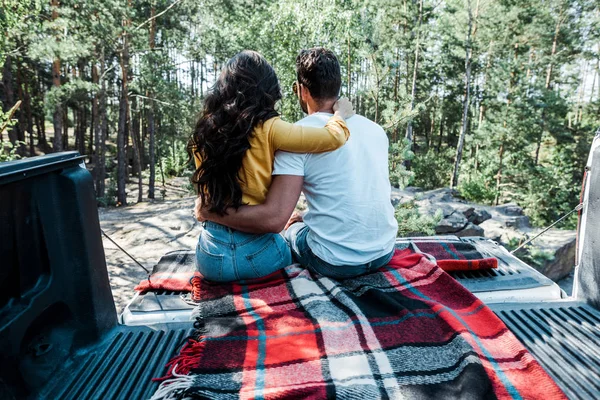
(22, 116)
(432, 124)
(396, 84)
(65, 126)
(559, 22)
(122, 125)
(504, 124)
(134, 132)
(596, 72)
(96, 127)
(134, 129)
(579, 106)
(38, 113)
(9, 93)
(485, 78)
(202, 75)
(465, 116)
(193, 82)
(349, 70)
(101, 129)
(151, 127)
(441, 135)
(413, 92)
(29, 116)
(57, 116)
(80, 126)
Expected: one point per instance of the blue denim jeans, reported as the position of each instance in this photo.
(296, 235)
(226, 255)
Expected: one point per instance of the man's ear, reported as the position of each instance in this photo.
(304, 93)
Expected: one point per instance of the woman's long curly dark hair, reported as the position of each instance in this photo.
(243, 97)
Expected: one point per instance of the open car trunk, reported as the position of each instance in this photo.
(61, 337)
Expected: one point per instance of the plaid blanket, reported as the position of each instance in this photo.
(174, 271)
(453, 255)
(408, 330)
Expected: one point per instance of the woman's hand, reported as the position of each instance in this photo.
(199, 210)
(297, 216)
(343, 108)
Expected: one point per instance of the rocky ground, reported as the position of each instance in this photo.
(152, 228)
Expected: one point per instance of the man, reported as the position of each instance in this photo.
(349, 229)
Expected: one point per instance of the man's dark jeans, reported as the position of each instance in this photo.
(296, 235)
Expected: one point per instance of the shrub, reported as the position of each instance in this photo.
(400, 152)
(477, 190)
(8, 151)
(176, 161)
(412, 223)
(432, 170)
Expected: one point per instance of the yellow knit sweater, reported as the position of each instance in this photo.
(276, 134)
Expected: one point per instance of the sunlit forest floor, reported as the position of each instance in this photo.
(147, 230)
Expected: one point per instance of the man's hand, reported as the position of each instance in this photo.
(297, 216)
(343, 108)
(199, 211)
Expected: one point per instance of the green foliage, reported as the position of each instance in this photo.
(110, 198)
(412, 223)
(477, 190)
(400, 152)
(432, 170)
(176, 160)
(8, 151)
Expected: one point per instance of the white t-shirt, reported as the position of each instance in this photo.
(350, 217)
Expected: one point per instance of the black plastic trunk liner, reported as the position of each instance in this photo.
(121, 367)
(565, 339)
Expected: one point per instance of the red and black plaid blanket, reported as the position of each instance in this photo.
(175, 270)
(451, 255)
(408, 330)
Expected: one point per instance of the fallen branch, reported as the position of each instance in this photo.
(11, 112)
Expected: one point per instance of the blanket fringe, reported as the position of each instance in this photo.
(185, 361)
(172, 388)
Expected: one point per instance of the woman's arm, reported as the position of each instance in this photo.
(305, 139)
(271, 216)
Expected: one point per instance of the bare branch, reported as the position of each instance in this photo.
(157, 15)
(11, 112)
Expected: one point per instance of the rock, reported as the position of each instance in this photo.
(510, 209)
(470, 230)
(479, 216)
(562, 245)
(518, 222)
(429, 208)
(399, 196)
(498, 232)
(468, 212)
(440, 195)
(453, 223)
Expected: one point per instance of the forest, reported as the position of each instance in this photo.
(497, 98)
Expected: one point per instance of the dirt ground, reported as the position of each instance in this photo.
(147, 231)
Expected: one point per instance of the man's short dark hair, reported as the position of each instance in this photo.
(318, 70)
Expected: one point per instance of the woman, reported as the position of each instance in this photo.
(234, 146)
